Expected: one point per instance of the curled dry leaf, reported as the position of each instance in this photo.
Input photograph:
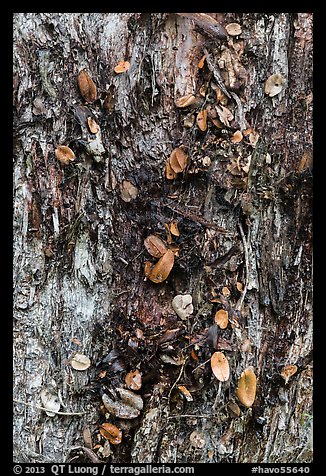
(148, 266)
(64, 154)
(174, 228)
(222, 318)
(128, 191)
(246, 391)
(224, 114)
(201, 120)
(111, 432)
(288, 371)
(201, 62)
(220, 366)
(93, 126)
(162, 268)
(87, 87)
(80, 362)
(239, 287)
(50, 401)
(226, 291)
(185, 101)
(169, 172)
(233, 29)
(185, 392)
(182, 305)
(87, 435)
(155, 246)
(178, 160)
(122, 67)
(237, 137)
(274, 85)
(133, 380)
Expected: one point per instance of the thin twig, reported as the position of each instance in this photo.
(216, 73)
(245, 246)
(201, 365)
(179, 377)
(47, 409)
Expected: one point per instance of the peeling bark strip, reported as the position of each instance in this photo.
(233, 219)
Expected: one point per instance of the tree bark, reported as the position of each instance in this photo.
(244, 214)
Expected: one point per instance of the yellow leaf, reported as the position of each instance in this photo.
(222, 318)
(246, 391)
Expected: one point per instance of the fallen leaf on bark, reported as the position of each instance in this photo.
(220, 366)
(288, 371)
(174, 228)
(201, 62)
(64, 154)
(111, 432)
(201, 120)
(93, 126)
(274, 85)
(155, 246)
(133, 380)
(178, 160)
(169, 172)
(87, 87)
(185, 392)
(162, 268)
(122, 67)
(246, 391)
(185, 101)
(237, 137)
(80, 362)
(222, 318)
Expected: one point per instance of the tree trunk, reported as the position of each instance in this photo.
(243, 210)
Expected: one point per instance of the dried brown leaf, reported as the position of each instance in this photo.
(222, 318)
(178, 160)
(201, 120)
(237, 137)
(288, 371)
(169, 172)
(155, 246)
(174, 228)
(201, 62)
(93, 126)
(220, 366)
(111, 432)
(162, 268)
(185, 101)
(64, 154)
(246, 391)
(87, 87)
(185, 392)
(122, 67)
(133, 380)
